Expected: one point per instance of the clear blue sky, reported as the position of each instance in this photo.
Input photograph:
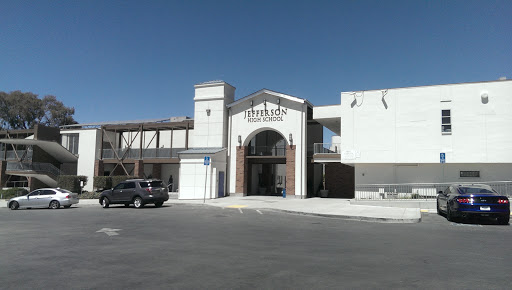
(124, 60)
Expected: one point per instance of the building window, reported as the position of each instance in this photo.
(446, 122)
(70, 142)
(470, 174)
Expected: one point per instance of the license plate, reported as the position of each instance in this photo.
(485, 208)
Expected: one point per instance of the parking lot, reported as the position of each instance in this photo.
(194, 246)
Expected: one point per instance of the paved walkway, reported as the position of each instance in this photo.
(327, 207)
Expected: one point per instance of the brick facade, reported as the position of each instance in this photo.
(99, 168)
(339, 180)
(3, 176)
(157, 170)
(290, 170)
(242, 170)
(138, 171)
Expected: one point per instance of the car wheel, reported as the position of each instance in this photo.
(504, 220)
(449, 215)
(14, 205)
(54, 204)
(137, 202)
(105, 202)
(159, 204)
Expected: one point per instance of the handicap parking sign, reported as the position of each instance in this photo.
(442, 157)
(207, 160)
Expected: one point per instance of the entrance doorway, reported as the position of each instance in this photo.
(267, 164)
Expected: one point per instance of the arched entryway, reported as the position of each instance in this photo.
(265, 166)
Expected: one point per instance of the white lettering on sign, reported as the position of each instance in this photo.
(272, 115)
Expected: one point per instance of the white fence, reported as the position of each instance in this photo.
(417, 190)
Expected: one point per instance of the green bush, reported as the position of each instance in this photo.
(120, 178)
(12, 192)
(71, 182)
(102, 182)
(107, 182)
(90, 195)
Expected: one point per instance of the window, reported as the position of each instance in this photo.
(129, 185)
(70, 142)
(470, 174)
(446, 122)
(47, 192)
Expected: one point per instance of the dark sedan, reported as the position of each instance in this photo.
(464, 201)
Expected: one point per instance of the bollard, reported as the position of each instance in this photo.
(284, 192)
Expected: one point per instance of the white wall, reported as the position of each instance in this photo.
(211, 130)
(430, 173)
(193, 173)
(293, 122)
(409, 129)
(88, 146)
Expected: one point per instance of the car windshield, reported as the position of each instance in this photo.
(145, 184)
(470, 190)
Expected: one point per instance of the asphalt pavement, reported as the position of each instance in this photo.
(192, 246)
(326, 207)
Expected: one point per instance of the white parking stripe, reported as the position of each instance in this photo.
(240, 210)
(259, 211)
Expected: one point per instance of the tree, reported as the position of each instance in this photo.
(20, 110)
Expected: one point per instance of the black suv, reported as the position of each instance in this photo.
(137, 192)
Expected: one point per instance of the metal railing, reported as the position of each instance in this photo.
(418, 190)
(326, 148)
(267, 151)
(134, 153)
(10, 155)
(39, 167)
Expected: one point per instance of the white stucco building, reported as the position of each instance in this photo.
(269, 142)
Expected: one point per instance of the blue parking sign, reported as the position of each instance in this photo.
(207, 160)
(442, 157)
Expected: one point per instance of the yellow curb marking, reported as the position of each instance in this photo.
(424, 210)
(236, 206)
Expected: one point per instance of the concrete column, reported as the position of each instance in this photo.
(290, 170)
(242, 170)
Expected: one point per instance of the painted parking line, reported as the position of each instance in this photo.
(424, 210)
(236, 206)
(240, 210)
(259, 211)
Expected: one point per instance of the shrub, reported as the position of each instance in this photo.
(102, 182)
(71, 182)
(107, 182)
(117, 179)
(90, 195)
(12, 192)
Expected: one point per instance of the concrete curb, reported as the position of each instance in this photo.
(349, 217)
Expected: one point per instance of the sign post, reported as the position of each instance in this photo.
(206, 163)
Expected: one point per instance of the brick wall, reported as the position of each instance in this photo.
(339, 180)
(290, 170)
(242, 169)
(139, 169)
(99, 168)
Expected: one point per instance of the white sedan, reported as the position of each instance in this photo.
(52, 198)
